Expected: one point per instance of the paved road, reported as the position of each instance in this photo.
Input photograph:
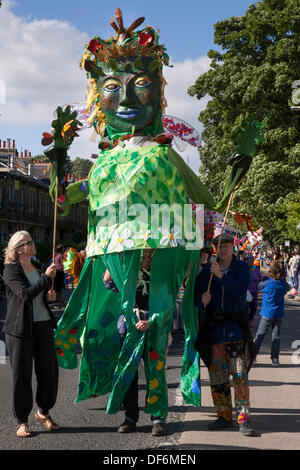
(274, 398)
(85, 425)
(275, 402)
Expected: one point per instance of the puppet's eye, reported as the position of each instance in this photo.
(141, 82)
(111, 86)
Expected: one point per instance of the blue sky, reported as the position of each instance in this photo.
(43, 43)
(186, 25)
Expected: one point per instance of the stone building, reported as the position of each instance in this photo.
(25, 203)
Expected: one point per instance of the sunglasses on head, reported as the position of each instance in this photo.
(31, 242)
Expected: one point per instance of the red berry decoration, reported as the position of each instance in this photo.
(73, 331)
(60, 352)
(153, 355)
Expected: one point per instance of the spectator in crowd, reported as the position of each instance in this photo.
(2, 288)
(224, 341)
(296, 270)
(255, 278)
(290, 269)
(272, 311)
(205, 257)
(29, 333)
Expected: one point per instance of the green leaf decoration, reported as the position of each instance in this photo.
(153, 66)
(138, 63)
(113, 65)
(249, 137)
(128, 68)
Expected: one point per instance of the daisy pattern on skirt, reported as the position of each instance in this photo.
(145, 234)
(171, 238)
(121, 241)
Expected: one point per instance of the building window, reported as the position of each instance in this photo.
(21, 201)
(47, 206)
(30, 202)
(11, 194)
(39, 204)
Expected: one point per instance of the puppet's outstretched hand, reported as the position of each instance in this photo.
(64, 130)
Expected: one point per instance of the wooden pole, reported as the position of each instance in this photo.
(54, 225)
(220, 238)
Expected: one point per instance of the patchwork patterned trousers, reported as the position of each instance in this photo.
(228, 359)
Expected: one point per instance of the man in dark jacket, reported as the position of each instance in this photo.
(225, 342)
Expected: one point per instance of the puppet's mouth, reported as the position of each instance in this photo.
(129, 113)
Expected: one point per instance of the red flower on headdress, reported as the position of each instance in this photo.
(145, 38)
(94, 45)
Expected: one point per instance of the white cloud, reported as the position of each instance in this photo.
(41, 71)
(179, 78)
(41, 67)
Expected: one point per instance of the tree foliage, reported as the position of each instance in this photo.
(252, 78)
(81, 167)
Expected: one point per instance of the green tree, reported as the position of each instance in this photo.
(81, 167)
(252, 77)
(291, 209)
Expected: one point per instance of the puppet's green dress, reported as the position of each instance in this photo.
(130, 190)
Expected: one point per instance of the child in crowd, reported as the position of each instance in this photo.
(272, 310)
(255, 278)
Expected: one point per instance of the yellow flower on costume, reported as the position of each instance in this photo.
(160, 365)
(73, 340)
(67, 346)
(153, 399)
(58, 342)
(153, 383)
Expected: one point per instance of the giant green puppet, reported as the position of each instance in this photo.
(137, 184)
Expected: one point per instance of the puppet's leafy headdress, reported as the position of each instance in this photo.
(138, 50)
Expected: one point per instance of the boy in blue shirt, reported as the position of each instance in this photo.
(272, 310)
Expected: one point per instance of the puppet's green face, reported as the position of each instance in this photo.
(129, 99)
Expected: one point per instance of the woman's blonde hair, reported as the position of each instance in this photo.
(16, 240)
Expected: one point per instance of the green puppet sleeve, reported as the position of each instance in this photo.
(74, 193)
(196, 190)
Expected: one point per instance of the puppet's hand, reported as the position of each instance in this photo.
(64, 129)
(249, 136)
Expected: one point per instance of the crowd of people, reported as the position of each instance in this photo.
(226, 297)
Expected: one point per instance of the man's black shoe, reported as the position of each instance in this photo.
(220, 424)
(159, 429)
(246, 429)
(126, 427)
